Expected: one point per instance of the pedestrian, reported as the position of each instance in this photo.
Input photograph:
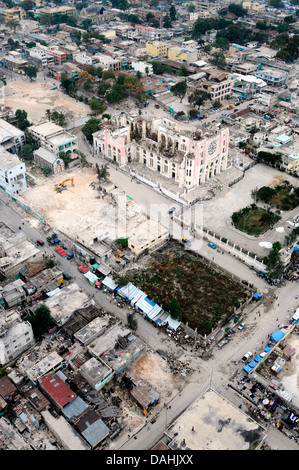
(148, 428)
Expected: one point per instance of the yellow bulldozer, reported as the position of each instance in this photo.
(61, 186)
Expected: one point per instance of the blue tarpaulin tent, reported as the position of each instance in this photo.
(252, 364)
(277, 336)
(257, 296)
(257, 358)
(267, 348)
(247, 368)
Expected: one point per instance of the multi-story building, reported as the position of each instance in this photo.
(156, 48)
(12, 14)
(188, 159)
(220, 91)
(143, 67)
(54, 138)
(272, 77)
(57, 10)
(15, 336)
(152, 34)
(11, 138)
(183, 54)
(43, 55)
(109, 63)
(12, 173)
(15, 62)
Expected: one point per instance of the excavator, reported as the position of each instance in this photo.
(61, 186)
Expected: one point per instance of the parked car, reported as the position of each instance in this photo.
(40, 242)
(184, 240)
(242, 325)
(157, 106)
(70, 256)
(211, 245)
(171, 210)
(247, 357)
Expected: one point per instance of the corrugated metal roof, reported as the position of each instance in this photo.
(58, 390)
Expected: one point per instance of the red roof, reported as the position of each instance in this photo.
(57, 389)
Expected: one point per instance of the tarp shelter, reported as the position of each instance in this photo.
(109, 283)
(53, 292)
(145, 304)
(277, 336)
(95, 265)
(155, 311)
(247, 368)
(252, 364)
(173, 324)
(267, 349)
(104, 269)
(129, 291)
(257, 296)
(258, 358)
(92, 278)
(295, 317)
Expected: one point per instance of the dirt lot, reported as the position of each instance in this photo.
(78, 208)
(36, 97)
(205, 296)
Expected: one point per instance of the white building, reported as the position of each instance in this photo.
(11, 138)
(82, 58)
(54, 138)
(42, 54)
(12, 173)
(143, 67)
(15, 336)
(188, 159)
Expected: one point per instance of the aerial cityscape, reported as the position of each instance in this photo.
(149, 229)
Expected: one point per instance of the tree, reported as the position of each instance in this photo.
(183, 72)
(103, 87)
(58, 118)
(237, 10)
(97, 106)
(179, 89)
(13, 24)
(102, 172)
(198, 97)
(172, 13)
(107, 74)
(167, 22)
(66, 157)
(276, 3)
(90, 127)
(274, 266)
(40, 321)
(218, 59)
(132, 322)
(175, 309)
(27, 152)
(21, 116)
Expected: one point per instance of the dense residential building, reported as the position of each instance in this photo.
(272, 77)
(11, 138)
(54, 138)
(156, 48)
(160, 145)
(15, 336)
(12, 14)
(12, 173)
